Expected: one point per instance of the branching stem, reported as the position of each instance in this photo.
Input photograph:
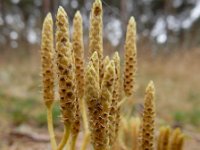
(65, 137)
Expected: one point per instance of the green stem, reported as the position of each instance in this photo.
(65, 137)
(51, 128)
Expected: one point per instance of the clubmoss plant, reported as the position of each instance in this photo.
(66, 74)
(148, 120)
(114, 115)
(130, 58)
(92, 92)
(176, 140)
(78, 48)
(106, 95)
(96, 31)
(47, 55)
(96, 88)
(163, 138)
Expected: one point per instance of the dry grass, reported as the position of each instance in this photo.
(171, 75)
(178, 71)
(177, 82)
(176, 101)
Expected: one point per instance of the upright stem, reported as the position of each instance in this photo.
(65, 137)
(86, 138)
(51, 128)
(84, 114)
(73, 142)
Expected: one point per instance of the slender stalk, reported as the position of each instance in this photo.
(65, 137)
(68, 145)
(84, 114)
(51, 128)
(86, 140)
(73, 142)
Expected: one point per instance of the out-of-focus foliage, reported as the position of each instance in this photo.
(172, 22)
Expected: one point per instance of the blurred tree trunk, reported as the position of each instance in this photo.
(46, 7)
(54, 6)
(2, 10)
(123, 12)
(167, 9)
(123, 9)
(81, 4)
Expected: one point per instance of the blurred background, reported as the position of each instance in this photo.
(168, 44)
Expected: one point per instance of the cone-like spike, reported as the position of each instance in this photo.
(148, 124)
(130, 58)
(47, 54)
(95, 33)
(66, 68)
(78, 48)
(115, 110)
(92, 92)
(163, 138)
(177, 140)
(106, 95)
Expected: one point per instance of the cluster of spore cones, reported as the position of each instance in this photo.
(92, 92)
